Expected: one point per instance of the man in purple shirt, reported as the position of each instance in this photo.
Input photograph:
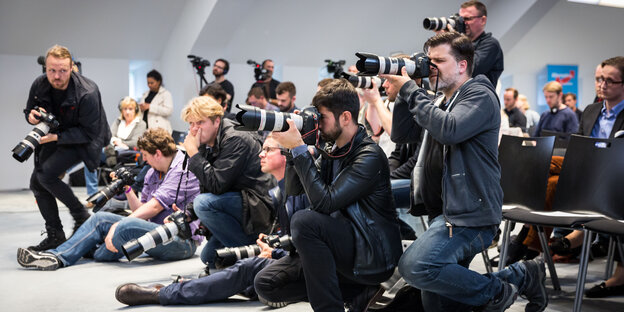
(166, 183)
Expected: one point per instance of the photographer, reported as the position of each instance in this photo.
(239, 277)
(457, 181)
(268, 85)
(83, 131)
(349, 238)
(235, 204)
(166, 183)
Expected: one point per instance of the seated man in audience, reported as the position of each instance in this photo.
(234, 203)
(106, 232)
(516, 117)
(569, 99)
(349, 237)
(239, 277)
(286, 95)
(255, 97)
(559, 117)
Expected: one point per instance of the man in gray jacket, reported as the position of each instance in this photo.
(457, 181)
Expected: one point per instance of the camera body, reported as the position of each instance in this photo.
(124, 177)
(229, 255)
(27, 146)
(335, 67)
(251, 118)
(369, 64)
(260, 74)
(440, 23)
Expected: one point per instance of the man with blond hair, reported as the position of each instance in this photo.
(235, 205)
(558, 117)
(82, 132)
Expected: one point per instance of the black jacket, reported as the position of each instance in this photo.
(590, 116)
(403, 159)
(360, 192)
(81, 116)
(233, 165)
(488, 58)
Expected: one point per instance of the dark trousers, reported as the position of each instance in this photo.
(47, 186)
(218, 286)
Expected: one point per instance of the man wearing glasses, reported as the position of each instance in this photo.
(83, 130)
(219, 70)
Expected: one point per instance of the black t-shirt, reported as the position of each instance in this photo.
(57, 97)
(516, 118)
(148, 99)
(229, 89)
(431, 190)
(271, 88)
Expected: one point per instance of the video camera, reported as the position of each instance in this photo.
(124, 177)
(260, 74)
(198, 62)
(227, 256)
(335, 67)
(369, 64)
(440, 23)
(25, 148)
(251, 118)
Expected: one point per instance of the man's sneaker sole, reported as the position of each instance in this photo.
(538, 264)
(274, 305)
(30, 259)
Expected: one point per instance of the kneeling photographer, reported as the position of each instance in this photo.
(348, 241)
(239, 277)
(168, 182)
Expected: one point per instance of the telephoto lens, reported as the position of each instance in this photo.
(27, 146)
(227, 256)
(417, 66)
(440, 23)
(364, 82)
(124, 177)
(251, 118)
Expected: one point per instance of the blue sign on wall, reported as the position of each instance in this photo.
(566, 75)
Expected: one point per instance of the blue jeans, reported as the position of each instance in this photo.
(93, 232)
(217, 286)
(223, 216)
(91, 181)
(438, 265)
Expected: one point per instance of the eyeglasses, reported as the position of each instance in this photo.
(267, 149)
(607, 81)
(219, 67)
(470, 18)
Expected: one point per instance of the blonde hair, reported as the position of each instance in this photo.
(128, 101)
(202, 107)
(524, 101)
(553, 86)
(60, 52)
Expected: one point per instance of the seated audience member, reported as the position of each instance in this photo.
(215, 91)
(569, 99)
(559, 117)
(255, 97)
(234, 203)
(239, 277)
(597, 75)
(106, 232)
(286, 95)
(351, 188)
(156, 103)
(532, 116)
(516, 117)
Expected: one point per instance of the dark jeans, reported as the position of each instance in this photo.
(218, 286)
(51, 162)
(282, 281)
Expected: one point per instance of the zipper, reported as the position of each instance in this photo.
(450, 228)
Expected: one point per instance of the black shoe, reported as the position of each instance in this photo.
(599, 249)
(366, 298)
(561, 246)
(535, 285)
(39, 260)
(77, 224)
(272, 304)
(601, 291)
(133, 294)
(516, 251)
(504, 300)
(53, 239)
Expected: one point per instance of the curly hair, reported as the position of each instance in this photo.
(157, 139)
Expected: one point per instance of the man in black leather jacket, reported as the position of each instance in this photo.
(83, 130)
(350, 236)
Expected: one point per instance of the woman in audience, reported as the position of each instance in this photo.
(157, 103)
(532, 116)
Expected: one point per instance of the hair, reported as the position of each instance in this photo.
(202, 107)
(157, 139)
(569, 94)
(338, 96)
(267, 60)
(461, 47)
(154, 74)
(515, 92)
(324, 82)
(60, 52)
(216, 91)
(227, 64)
(286, 86)
(553, 86)
(526, 106)
(257, 92)
(617, 62)
(128, 101)
(478, 5)
(270, 136)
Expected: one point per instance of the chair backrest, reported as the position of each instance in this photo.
(178, 136)
(525, 163)
(591, 177)
(562, 140)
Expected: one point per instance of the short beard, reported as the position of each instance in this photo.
(332, 136)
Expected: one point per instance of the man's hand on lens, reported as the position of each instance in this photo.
(291, 138)
(372, 95)
(32, 117)
(191, 143)
(265, 249)
(397, 81)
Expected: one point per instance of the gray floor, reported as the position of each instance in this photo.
(90, 286)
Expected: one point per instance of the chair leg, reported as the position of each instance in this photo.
(610, 256)
(582, 273)
(548, 258)
(502, 259)
(486, 260)
(620, 248)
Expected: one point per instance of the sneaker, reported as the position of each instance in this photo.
(561, 246)
(53, 239)
(365, 299)
(504, 300)
(272, 304)
(535, 285)
(601, 291)
(39, 260)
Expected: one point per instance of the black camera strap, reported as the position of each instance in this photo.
(184, 162)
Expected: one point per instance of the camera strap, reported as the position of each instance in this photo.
(184, 162)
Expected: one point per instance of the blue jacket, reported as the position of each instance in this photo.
(471, 191)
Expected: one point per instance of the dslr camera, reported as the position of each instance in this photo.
(260, 74)
(25, 148)
(369, 64)
(229, 255)
(440, 23)
(251, 118)
(335, 67)
(364, 82)
(124, 177)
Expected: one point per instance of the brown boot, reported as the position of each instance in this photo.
(133, 294)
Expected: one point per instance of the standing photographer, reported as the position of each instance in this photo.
(82, 132)
(166, 183)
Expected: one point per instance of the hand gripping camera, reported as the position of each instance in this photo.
(252, 118)
(25, 148)
(229, 255)
(370, 64)
(124, 177)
